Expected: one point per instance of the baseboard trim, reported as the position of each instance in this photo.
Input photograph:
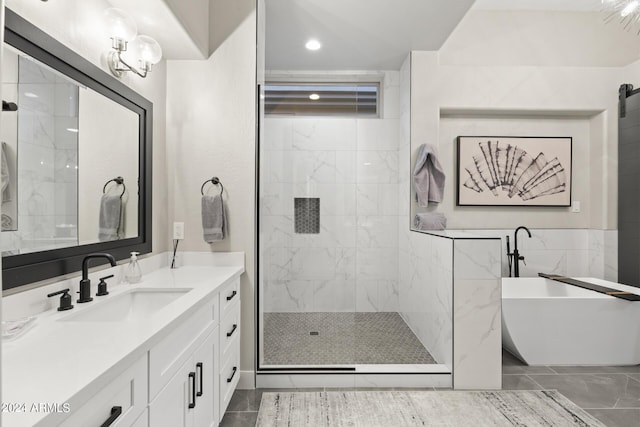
(247, 380)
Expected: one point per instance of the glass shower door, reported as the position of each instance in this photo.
(307, 241)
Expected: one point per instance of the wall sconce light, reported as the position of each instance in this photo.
(130, 51)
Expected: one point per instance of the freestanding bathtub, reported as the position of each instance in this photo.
(545, 322)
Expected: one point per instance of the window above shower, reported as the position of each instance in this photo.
(322, 99)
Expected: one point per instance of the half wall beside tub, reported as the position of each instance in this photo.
(450, 296)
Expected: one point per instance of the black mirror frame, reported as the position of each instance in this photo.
(18, 270)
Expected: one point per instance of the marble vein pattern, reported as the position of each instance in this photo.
(572, 252)
(425, 291)
(477, 306)
(351, 165)
(47, 161)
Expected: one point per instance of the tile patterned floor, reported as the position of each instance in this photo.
(609, 393)
(341, 339)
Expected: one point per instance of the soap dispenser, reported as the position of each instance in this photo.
(133, 274)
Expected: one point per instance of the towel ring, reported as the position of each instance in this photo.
(119, 181)
(214, 181)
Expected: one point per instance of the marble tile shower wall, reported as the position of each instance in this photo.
(351, 164)
(426, 291)
(425, 262)
(47, 160)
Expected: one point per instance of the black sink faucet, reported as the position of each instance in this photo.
(85, 283)
(515, 257)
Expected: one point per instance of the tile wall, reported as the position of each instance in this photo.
(47, 161)
(571, 252)
(351, 164)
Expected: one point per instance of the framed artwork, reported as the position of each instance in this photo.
(513, 171)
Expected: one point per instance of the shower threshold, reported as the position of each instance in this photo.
(358, 369)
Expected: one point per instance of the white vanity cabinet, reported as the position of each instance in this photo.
(190, 398)
(119, 403)
(229, 343)
(164, 369)
(195, 369)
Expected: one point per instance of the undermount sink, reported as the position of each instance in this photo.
(132, 305)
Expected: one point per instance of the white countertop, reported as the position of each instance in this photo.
(67, 362)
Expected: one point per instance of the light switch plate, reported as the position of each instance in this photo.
(575, 207)
(178, 230)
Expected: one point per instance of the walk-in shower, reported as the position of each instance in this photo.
(333, 206)
(342, 285)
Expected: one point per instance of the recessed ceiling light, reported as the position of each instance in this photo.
(30, 95)
(72, 130)
(314, 97)
(313, 45)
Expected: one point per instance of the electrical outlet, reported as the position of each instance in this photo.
(178, 230)
(575, 207)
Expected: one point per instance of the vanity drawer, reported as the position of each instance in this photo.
(127, 392)
(229, 329)
(229, 295)
(229, 376)
(166, 357)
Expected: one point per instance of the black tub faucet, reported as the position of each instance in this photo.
(515, 257)
(85, 283)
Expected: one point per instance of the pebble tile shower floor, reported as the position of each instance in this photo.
(341, 339)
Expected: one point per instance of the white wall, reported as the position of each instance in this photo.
(211, 132)
(541, 38)
(194, 17)
(485, 98)
(498, 74)
(99, 139)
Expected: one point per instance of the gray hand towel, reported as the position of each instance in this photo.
(430, 221)
(214, 219)
(110, 217)
(428, 176)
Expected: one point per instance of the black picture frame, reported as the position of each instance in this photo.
(514, 171)
(18, 270)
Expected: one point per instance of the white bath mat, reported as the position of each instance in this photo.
(421, 408)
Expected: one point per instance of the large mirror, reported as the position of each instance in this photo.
(76, 153)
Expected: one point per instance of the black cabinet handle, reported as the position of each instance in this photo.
(199, 366)
(232, 330)
(232, 374)
(192, 378)
(233, 294)
(116, 411)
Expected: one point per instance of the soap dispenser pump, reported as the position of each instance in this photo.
(133, 273)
